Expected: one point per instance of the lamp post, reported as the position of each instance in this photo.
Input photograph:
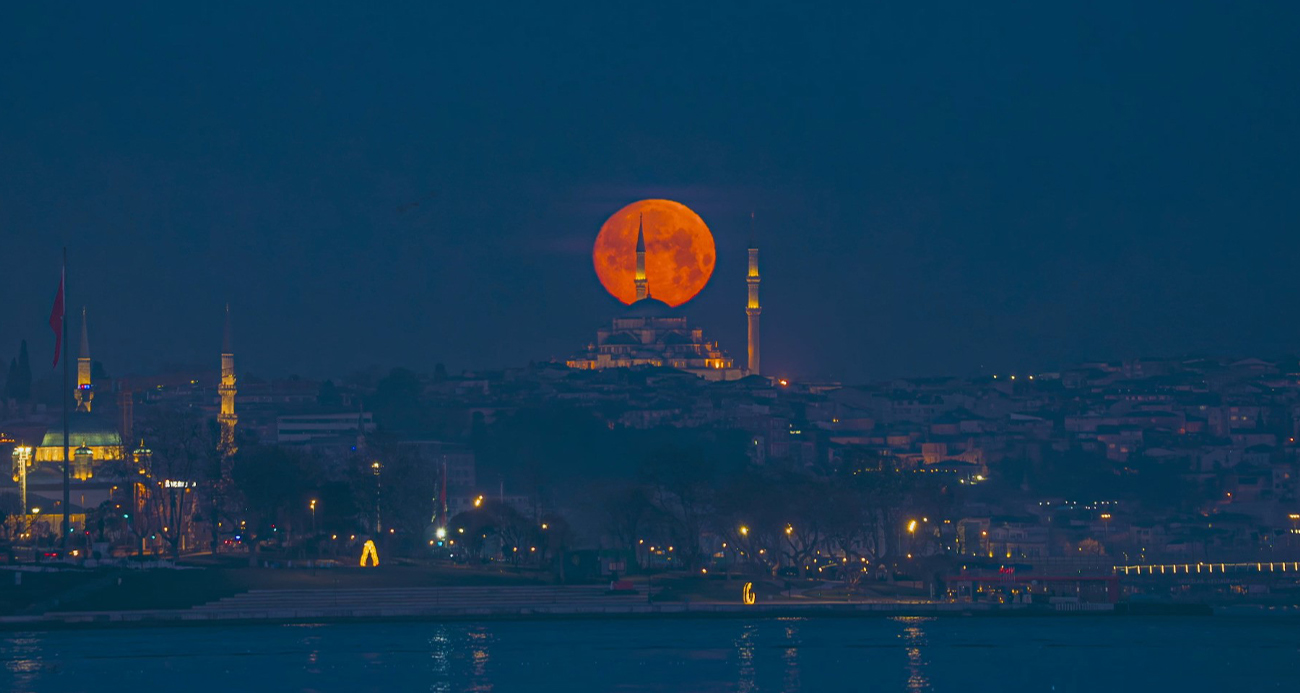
(313, 517)
(376, 467)
(35, 513)
(22, 455)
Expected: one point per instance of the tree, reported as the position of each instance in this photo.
(18, 384)
(626, 511)
(682, 488)
(11, 379)
(274, 483)
(184, 449)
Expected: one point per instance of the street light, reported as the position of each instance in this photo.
(22, 457)
(379, 527)
(313, 516)
(744, 531)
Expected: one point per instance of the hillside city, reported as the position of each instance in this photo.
(1157, 460)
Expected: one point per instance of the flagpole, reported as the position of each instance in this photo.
(67, 491)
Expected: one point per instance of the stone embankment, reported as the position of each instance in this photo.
(463, 603)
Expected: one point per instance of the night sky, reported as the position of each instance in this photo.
(938, 188)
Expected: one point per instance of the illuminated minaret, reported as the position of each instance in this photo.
(642, 289)
(227, 418)
(85, 390)
(752, 308)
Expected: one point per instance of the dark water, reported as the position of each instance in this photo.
(957, 654)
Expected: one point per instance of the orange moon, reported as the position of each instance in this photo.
(679, 252)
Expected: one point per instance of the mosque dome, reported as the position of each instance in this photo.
(649, 308)
(622, 339)
(83, 429)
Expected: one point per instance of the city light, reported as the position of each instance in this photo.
(744, 531)
(911, 526)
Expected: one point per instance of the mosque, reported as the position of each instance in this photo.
(94, 440)
(652, 333)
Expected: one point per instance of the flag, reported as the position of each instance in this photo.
(56, 320)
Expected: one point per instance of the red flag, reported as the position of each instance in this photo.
(56, 321)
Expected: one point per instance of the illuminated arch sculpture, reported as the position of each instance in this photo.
(747, 594)
(368, 551)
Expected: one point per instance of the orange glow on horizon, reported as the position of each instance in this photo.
(679, 252)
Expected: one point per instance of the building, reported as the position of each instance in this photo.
(227, 419)
(91, 439)
(652, 333)
(301, 429)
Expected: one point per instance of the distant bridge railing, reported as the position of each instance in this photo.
(1207, 568)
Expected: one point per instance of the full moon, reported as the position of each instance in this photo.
(679, 252)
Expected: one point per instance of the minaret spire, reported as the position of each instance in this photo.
(642, 287)
(227, 418)
(752, 307)
(85, 391)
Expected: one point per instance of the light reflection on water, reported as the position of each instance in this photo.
(914, 639)
(701, 655)
(745, 680)
(791, 659)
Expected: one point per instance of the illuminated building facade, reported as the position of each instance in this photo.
(652, 333)
(226, 418)
(91, 439)
(752, 308)
(85, 391)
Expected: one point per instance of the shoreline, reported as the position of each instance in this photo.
(163, 618)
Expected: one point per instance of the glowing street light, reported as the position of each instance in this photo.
(744, 531)
(911, 527)
(313, 516)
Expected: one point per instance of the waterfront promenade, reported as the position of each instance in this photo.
(470, 603)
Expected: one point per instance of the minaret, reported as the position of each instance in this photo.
(752, 309)
(227, 418)
(85, 390)
(642, 289)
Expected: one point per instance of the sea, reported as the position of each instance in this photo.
(962, 655)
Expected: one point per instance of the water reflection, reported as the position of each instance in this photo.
(479, 639)
(23, 660)
(745, 679)
(913, 636)
(440, 653)
(791, 658)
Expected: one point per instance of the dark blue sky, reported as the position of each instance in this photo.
(939, 187)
